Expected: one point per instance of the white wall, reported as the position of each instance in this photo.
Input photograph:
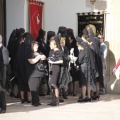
(15, 11)
(62, 13)
(55, 13)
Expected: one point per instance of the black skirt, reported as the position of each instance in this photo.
(74, 73)
(54, 75)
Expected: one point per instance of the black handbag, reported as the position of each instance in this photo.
(41, 66)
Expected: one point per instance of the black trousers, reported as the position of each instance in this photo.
(2, 100)
(34, 84)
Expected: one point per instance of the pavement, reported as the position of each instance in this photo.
(107, 108)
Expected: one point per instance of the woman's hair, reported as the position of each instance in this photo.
(62, 31)
(42, 33)
(32, 45)
(70, 31)
(57, 41)
(62, 40)
(71, 36)
(50, 34)
(25, 35)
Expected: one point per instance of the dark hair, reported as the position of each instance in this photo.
(62, 31)
(28, 40)
(57, 41)
(25, 35)
(71, 36)
(50, 34)
(32, 45)
(42, 33)
(70, 31)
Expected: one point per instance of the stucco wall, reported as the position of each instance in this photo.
(15, 15)
(63, 13)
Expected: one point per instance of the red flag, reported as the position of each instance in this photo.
(35, 17)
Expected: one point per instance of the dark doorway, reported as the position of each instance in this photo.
(3, 20)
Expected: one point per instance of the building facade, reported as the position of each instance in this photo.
(64, 13)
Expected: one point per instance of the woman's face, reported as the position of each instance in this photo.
(79, 47)
(45, 36)
(70, 40)
(62, 43)
(52, 45)
(35, 47)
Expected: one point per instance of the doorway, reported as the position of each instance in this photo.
(3, 20)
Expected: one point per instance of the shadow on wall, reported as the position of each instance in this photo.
(110, 61)
(99, 5)
(112, 82)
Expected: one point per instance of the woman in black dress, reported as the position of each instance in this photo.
(73, 71)
(21, 68)
(33, 74)
(54, 69)
(98, 60)
(84, 70)
(65, 77)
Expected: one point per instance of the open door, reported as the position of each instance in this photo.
(3, 20)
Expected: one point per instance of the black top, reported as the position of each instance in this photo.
(20, 62)
(32, 70)
(1, 57)
(66, 58)
(42, 46)
(83, 56)
(73, 45)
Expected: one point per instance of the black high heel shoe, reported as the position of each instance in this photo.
(96, 97)
(50, 103)
(65, 96)
(28, 101)
(22, 100)
(83, 100)
(70, 93)
(36, 104)
(61, 100)
(55, 104)
(88, 99)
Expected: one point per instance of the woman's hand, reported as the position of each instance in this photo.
(36, 54)
(43, 57)
(51, 62)
(36, 59)
(56, 62)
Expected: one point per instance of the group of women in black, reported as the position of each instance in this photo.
(65, 59)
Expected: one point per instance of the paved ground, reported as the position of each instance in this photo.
(107, 108)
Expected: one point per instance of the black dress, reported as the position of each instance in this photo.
(85, 69)
(83, 60)
(21, 68)
(34, 79)
(54, 69)
(90, 68)
(31, 69)
(65, 77)
(73, 71)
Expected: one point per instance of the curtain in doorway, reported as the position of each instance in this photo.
(35, 8)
